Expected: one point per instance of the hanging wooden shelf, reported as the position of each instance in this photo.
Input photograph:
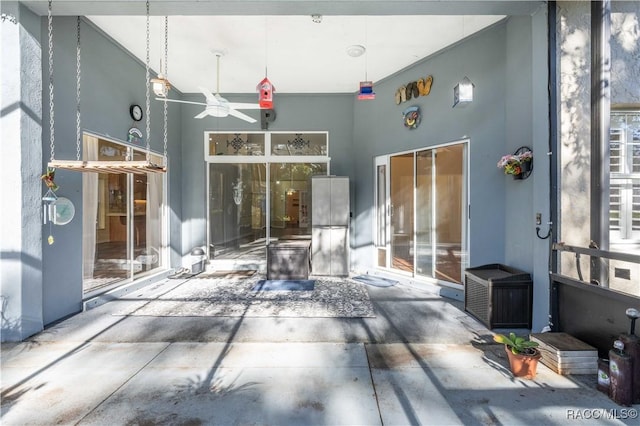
(136, 167)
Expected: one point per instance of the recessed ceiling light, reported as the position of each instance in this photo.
(356, 50)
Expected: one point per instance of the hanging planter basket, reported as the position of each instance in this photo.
(519, 164)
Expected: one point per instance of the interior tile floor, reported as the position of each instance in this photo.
(421, 360)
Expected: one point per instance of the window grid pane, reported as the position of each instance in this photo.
(624, 156)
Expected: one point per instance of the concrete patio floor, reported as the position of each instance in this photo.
(421, 360)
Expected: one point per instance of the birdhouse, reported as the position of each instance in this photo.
(265, 93)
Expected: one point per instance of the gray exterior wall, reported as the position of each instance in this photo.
(508, 66)
(20, 147)
(112, 80)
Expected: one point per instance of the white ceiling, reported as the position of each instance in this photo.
(300, 56)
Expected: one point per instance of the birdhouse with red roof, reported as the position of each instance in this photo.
(265, 93)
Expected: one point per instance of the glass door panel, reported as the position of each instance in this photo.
(381, 213)
(290, 197)
(423, 222)
(105, 219)
(145, 216)
(449, 212)
(425, 241)
(401, 197)
(237, 211)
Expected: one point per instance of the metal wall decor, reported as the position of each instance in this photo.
(237, 142)
(298, 143)
(411, 117)
(525, 155)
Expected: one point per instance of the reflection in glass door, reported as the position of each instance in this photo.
(430, 239)
(290, 197)
(237, 210)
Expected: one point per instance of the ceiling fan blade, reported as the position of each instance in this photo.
(241, 116)
(211, 99)
(241, 105)
(203, 114)
(179, 101)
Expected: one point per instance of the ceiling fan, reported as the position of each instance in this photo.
(216, 105)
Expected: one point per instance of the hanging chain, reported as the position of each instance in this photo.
(148, 103)
(78, 133)
(166, 76)
(51, 118)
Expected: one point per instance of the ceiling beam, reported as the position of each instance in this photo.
(280, 7)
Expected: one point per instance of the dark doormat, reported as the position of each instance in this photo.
(280, 285)
(375, 281)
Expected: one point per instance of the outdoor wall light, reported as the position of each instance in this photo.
(463, 92)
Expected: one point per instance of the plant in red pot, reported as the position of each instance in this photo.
(522, 353)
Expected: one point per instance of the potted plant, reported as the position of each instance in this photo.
(516, 164)
(522, 353)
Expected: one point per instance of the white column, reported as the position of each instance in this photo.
(20, 189)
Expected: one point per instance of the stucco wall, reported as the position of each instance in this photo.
(111, 81)
(20, 239)
(507, 64)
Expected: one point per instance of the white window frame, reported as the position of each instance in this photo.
(626, 179)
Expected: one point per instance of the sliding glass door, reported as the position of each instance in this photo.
(425, 211)
(122, 218)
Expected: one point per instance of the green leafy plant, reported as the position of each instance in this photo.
(513, 163)
(518, 345)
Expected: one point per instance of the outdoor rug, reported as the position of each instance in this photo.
(375, 281)
(330, 298)
(284, 285)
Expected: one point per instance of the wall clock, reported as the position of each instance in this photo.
(136, 112)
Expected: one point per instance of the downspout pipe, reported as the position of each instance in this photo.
(554, 149)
